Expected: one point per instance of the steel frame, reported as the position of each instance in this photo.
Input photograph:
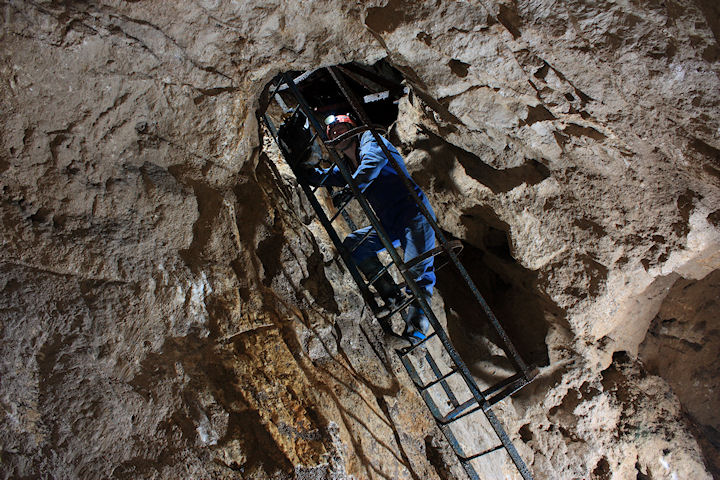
(479, 398)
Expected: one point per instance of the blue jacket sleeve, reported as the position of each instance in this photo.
(372, 160)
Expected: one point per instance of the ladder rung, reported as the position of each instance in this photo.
(441, 379)
(322, 182)
(365, 237)
(341, 209)
(507, 391)
(502, 384)
(402, 306)
(380, 273)
(457, 412)
(489, 450)
(413, 347)
(454, 245)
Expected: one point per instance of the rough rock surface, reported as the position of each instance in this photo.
(170, 310)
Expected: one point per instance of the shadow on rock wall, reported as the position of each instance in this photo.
(682, 347)
(214, 408)
(444, 154)
(510, 291)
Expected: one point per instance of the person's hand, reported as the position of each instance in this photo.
(342, 197)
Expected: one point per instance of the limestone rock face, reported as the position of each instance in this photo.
(170, 309)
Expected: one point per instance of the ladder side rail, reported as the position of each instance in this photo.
(467, 376)
(435, 411)
(510, 349)
(334, 237)
(382, 235)
(509, 446)
(351, 225)
(273, 131)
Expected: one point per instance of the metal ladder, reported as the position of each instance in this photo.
(458, 379)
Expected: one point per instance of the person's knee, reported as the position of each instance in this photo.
(424, 271)
(358, 255)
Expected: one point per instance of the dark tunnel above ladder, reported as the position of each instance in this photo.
(447, 381)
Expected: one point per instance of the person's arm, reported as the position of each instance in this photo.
(372, 161)
(316, 175)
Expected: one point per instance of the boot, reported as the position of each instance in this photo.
(416, 323)
(389, 292)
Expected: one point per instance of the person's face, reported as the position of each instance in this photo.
(337, 130)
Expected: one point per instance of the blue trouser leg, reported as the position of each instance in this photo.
(419, 238)
(368, 249)
(416, 237)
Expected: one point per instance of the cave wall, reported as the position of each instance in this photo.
(682, 346)
(170, 310)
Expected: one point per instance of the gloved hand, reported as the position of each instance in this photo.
(342, 197)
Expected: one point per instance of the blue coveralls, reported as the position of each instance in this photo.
(398, 213)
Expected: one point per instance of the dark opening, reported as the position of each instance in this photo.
(379, 86)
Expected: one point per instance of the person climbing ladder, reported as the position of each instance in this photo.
(398, 213)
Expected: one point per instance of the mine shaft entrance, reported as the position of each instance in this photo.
(357, 166)
(379, 87)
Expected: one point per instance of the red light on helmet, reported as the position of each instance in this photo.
(334, 120)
